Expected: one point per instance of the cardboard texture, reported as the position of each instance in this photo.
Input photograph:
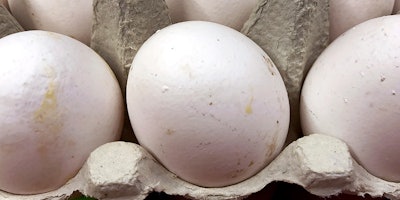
(293, 33)
(319, 163)
(8, 24)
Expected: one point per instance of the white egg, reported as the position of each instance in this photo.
(344, 14)
(58, 102)
(352, 92)
(73, 19)
(232, 13)
(207, 102)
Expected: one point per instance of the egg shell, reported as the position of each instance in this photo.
(61, 16)
(232, 13)
(207, 102)
(58, 102)
(109, 175)
(344, 14)
(352, 93)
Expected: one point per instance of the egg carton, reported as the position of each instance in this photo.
(320, 164)
(120, 170)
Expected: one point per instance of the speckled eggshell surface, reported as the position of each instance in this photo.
(207, 102)
(58, 102)
(352, 92)
(71, 18)
(232, 13)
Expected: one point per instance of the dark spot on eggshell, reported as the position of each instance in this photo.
(371, 105)
(251, 163)
(203, 145)
(238, 162)
(237, 172)
(271, 148)
(169, 132)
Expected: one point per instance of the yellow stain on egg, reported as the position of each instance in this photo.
(49, 102)
(249, 109)
(170, 132)
(251, 163)
(47, 116)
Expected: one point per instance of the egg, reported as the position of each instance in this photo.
(344, 14)
(352, 92)
(59, 101)
(232, 13)
(61, 16)
(207, 102)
